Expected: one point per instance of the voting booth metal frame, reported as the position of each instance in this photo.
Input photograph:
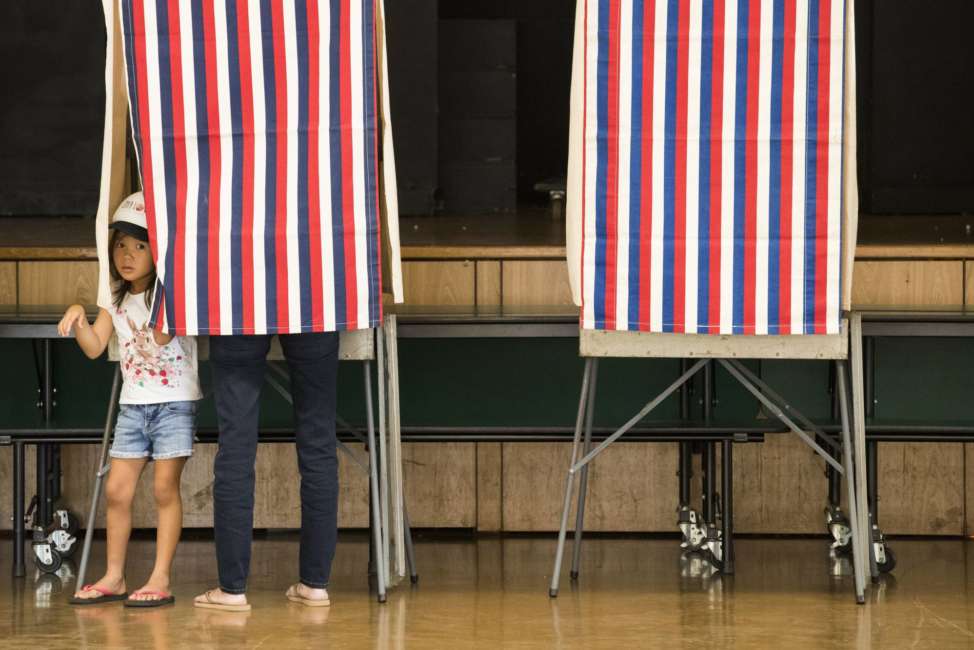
(704, 352)
(390, 535)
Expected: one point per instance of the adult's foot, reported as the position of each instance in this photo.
(302, 593)
(219, 599)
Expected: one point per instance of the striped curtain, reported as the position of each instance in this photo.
(256, 129)
(710, 164)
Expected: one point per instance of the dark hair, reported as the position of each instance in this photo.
(121, 286)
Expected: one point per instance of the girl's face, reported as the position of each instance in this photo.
(134, 261)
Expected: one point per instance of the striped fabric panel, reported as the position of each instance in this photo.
(712, 165)
(255, 125)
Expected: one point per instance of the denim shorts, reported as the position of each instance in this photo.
(158, 430)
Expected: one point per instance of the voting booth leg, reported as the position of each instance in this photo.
(578, 464)
(100, 473)
(583, 480)
(857, 362)
(383, 451)
(374, 489)
(858, 558)
(569, 480)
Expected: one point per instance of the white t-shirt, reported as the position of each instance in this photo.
(152, 374)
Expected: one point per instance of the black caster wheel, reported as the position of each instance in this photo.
(552, 593)
(573, 575)
(715, 562)
(889, 564)
(382, 598)
(46, 558)
(414, 580)
(71, 550)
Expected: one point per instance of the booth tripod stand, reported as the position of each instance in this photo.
(718, 541)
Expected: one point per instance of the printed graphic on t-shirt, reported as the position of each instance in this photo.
(153, 373)
(147, 363)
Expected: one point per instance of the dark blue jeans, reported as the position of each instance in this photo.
(238, 364)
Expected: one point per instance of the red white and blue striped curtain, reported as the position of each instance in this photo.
(709, 165)
(256, 125)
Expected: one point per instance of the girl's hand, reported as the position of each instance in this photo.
(74, 316)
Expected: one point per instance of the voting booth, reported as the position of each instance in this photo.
(712, 208)
(264, 150)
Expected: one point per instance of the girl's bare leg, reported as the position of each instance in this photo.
(169, 506)
(119, 492)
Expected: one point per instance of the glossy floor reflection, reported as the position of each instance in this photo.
(493, 593)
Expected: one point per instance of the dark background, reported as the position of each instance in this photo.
(52, 106)
(916, 75)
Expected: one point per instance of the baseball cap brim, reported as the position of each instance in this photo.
(132, 230)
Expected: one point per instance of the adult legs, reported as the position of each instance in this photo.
(313, 362)
(238, 364)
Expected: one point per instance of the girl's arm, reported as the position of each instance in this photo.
(93, 339)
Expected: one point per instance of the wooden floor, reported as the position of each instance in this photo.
(493, 593)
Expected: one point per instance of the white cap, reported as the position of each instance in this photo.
(130, 219)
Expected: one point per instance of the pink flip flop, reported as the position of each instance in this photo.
(160, 600)
(105, 597)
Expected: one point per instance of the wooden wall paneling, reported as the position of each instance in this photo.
(440, 484)
(536, 283)
(439, 283)
(8, 283)
(908, 283)
(632, 487)
(488, 283)
(969, 283)
(921, 488)
(58, 283)
(6, 483)
(779, 487)
(490, 494)
(276, 502)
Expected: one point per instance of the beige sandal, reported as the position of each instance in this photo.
(293, 595)
(209, 603)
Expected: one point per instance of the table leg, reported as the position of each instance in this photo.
(727, 516)
(20, 533)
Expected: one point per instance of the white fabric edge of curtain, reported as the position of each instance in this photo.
(390, 188)
(104, 192)
(576, 193)
(850, 175)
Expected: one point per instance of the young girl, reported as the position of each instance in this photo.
(157, 409)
